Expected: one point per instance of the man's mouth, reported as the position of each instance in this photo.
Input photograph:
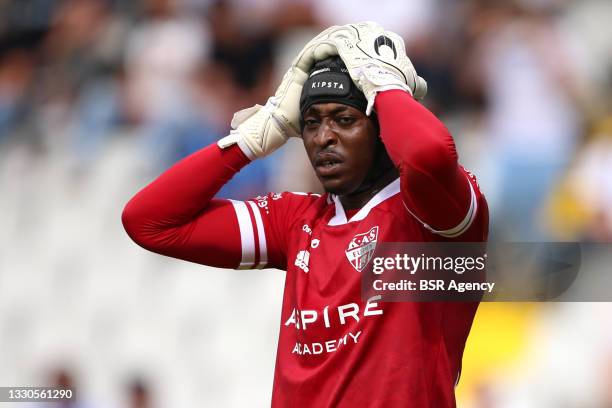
(327, 164)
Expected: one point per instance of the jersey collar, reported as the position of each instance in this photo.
(340, 217)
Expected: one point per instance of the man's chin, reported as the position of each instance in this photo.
(336, 187)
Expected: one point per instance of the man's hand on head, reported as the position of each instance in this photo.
(260, 130)
(376, 60)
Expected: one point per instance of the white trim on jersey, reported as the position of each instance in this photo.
(462, 226)
(302, 193)
(247, 235)
(261, 235)
(340, 217)
(389, 191)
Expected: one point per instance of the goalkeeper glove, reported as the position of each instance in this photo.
(260, 130)
(376, 60)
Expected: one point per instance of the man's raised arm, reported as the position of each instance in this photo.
(435, 188)
(177, 216)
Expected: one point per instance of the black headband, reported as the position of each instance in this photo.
(329, 81)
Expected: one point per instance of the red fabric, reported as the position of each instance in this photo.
(396, 355)
(176, 215)
(405, 354)
(434, 186)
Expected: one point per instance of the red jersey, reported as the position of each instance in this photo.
(336, 350)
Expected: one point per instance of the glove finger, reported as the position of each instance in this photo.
(325, 34)
(292, 77)
(420, 89)
(322, 46)
(397, 41)
(307, 48)
(324, 50)
(242, 115)
(316, 52)
(368, 26)
(346, 49)
(306, 60)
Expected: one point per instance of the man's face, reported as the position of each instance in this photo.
(340, 142)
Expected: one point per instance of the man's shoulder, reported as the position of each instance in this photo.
(291, 201)
(473, 181)
(292, 196)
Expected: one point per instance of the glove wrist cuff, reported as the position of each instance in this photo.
(398, 87)
(236, 138)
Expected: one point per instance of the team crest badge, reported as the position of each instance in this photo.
(361, 248)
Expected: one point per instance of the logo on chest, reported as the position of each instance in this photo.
(361, 248)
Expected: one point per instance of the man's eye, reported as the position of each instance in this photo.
(310, 122)
(346, 120)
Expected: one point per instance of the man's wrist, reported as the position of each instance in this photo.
(391, 88)
(245, 149)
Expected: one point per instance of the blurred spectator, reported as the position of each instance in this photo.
(139, 395)
(410, 19)
(589, 23)
(164, 51)
(16, 76)
(81, 49)
(23, 24)
(566, 363)
(124, 89)
(533, 124)
(241, 45)
(63, 379)
(581, 208)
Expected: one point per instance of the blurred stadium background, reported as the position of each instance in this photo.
(98, 97)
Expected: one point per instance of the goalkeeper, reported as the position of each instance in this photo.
(390, 174)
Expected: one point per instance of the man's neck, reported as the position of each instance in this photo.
(358, 200)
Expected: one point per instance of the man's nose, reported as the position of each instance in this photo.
(326, 134)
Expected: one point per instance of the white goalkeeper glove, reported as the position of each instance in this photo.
(376, 60)
(260, 130)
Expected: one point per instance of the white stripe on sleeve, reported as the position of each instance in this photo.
(247, 237)
(462, 226)
(261, 234)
